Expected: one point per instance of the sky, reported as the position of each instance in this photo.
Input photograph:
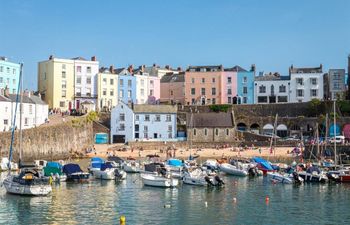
(273, 34)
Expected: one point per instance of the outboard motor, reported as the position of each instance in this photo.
(117, 174)
(219, 180)
(296, 178)
(207, 179)
(333, 177)
(252, 172)
(163, 171)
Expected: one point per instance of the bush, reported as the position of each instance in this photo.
(219, 108)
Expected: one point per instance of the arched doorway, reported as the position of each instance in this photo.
(241, 127)
(268, 129)
(255, 128)
(282, 130)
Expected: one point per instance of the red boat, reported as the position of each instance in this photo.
(344, 175)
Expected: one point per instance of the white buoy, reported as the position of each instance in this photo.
(206, 204)
(167, 206)
(234, 200)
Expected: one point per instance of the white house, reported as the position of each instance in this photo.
(35, 111)
(271, 88)
(306, 84)
(5, 114)
(142, 83)
(143, 123)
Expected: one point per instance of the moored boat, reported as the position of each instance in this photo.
(159, 181)
(232, 170)
(74, 173)
(4, 165)
(54, 170)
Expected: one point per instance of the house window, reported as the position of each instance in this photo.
(244, 79)
(229, 100)
(14, 81)
(64, 84)
(213, 80)
(192, 80)
(151, 83)
(88, 92)
(122, 127)
(151, 92)
(63, 74)
(313, 92)
(13, 91)
(142, 82)
(216, 132)
(213, 91)
(203, 80)
(213, 101)
(229, 80)
(229, 91)
(129, 83)
(1, 80)
(168, 118)
(145, 135)
(8, 69)
(193, 91)
(205, 131)
(104, 92)
(142, 92)
(6, 122)
(63, 66)
(170, 128)
(272, 90)
(78, 92)
(1, 69)
(88, 80)
(79, 69)
(111, 81)
(146, 117)
(300, 93)
(170, 135)
(129, 94)
(194, 132)
(313, 81)
(300, 81)
(121, 83)
(203, 91)
(30, 109)
(64, 93)
(121, 94)
(262, 99)
(137, 117)
(25, 121)
(79, 80)
(282, 99)
(145, 128)
(227, 132)
(245, 90)
(122, 116)
(88, 69)
(193, 101)
(282, 89)
(245, 100)
(262, 89)
(111, 92)
(62, 104)
(158, 118)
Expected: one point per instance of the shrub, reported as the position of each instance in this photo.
(219, 108)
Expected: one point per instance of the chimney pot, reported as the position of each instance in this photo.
(93, 58)
(111, 69)
(50, 57)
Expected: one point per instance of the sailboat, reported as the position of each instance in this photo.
(29, 181)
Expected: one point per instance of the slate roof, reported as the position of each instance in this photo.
(171, 77)
(306, 69)
(271, 77)
(79, 58)
(210, 120)
(25, 99)
(236, 69)
(37, 100)
(4, 99)
(142, 108)
(208, 68)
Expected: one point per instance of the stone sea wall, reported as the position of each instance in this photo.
(49, 142)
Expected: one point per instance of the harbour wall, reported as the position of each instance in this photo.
(54, 142)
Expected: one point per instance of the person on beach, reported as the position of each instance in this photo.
(260, 150)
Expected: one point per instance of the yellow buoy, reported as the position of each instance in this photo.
(122, 220)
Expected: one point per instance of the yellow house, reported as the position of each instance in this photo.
(56, 83)
(107, 89)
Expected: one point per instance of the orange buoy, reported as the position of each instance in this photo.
(267, 199)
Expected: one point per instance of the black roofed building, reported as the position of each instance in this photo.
(210, 127)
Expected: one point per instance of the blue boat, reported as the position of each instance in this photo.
(263, 165)
(74, 173)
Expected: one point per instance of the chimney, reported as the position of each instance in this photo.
(179, 69)
(111, 68)
(253, 68)
(131, 69)
(154, 65)
(93, 58)
(50, 57)
(167, 67)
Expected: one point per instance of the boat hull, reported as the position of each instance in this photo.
(313, 178)
(276, 177)
(78, 177)
(156, 181)
(232, 170)
(30, 190)
(107, 174)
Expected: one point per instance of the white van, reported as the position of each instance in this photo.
(338, 140)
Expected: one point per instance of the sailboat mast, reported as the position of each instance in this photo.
(20, 114)
(334, 132)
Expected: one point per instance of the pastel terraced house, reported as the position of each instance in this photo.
(126, 85)
(107, 88)
(172, 88)
(9, 75)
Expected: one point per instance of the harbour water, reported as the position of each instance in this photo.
(103, 202)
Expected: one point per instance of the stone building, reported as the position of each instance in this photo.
(210, 127)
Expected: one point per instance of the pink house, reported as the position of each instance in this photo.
(153, 89)
(228, 87)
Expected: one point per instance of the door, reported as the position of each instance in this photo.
(155, 135)
(118, 138)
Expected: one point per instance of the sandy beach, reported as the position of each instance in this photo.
(105, 150)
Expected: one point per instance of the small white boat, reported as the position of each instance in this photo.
(132, 167)
(5, 163)
(159, 181)
(107, 174)
(196, 177)
(280, 178)
(28, 182)
(232, 170)
(40, 164)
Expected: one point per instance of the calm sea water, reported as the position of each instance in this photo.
(103, 202)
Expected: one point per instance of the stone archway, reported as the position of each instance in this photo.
(282, 130)
(241, 127)
(268, 129)
(255, 128)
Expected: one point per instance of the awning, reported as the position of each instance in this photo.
(282, 127)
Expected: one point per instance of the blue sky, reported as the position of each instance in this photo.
(273, 34)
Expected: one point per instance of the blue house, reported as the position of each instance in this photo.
(9, 75)
(245, 85)
(126, 86)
